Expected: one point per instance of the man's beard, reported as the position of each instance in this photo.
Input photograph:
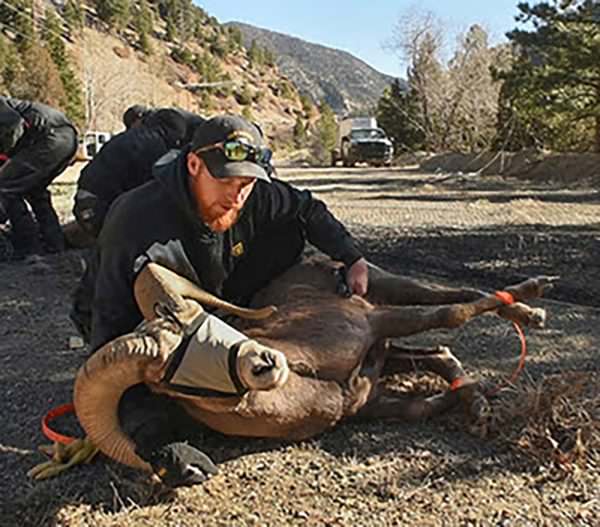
(224, 222)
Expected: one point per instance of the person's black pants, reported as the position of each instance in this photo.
(24, 231)
(25, 178)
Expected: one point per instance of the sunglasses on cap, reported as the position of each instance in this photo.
(237, 150)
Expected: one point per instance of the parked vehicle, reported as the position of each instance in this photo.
(90, 144)
(361, 141)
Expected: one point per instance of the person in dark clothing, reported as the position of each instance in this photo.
(213, 215)
(37, 143)
(125, 162)
(137, 115)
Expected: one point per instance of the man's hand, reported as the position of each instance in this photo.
(358, 277)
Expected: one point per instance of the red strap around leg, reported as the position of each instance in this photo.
(505, 296)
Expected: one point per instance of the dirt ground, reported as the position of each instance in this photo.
(539, 465)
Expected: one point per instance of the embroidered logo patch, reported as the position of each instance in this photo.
(237, 250)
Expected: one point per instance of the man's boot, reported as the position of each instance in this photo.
(24, 231)
(49, 225)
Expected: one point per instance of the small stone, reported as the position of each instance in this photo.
(76, 343)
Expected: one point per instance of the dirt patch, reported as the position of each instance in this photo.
(538, 467)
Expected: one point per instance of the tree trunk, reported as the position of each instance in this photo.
(597, 142)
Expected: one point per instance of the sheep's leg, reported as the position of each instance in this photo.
(364, 387)
(401, 321)
(444, 363)
(393, 405)
(388, 404)
(438, 360)
(388, 289)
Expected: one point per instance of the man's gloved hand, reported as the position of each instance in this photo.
(181, 465)
(357, 277)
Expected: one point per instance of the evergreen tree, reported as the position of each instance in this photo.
(172, 32)
(73, 101)
(116, 13)
(236, 36)
(269, 57)
(143, 24)
(11, 67)
(398, 114)
(40, 80)
(256, 54)
(307, 106)
(208, 67)
(18, 15)
(555, 80)
(74, 15)
(326, 134)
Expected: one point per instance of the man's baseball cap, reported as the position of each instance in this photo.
(230, 128)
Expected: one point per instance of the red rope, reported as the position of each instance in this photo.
(507, 298)
(53, 414)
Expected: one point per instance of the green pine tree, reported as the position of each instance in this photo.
(553, 88)
(18, 15)
(256, 54)
(74, 15)
(143, 24)
(116, 13)
(325, 135)
(73, 99)
(299, 133)
(398, 114)
(41, 79)
(11, 67)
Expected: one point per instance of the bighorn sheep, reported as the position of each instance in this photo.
(313, 362)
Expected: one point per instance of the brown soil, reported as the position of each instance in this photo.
(538, 466)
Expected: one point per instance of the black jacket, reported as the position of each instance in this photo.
(43, 143)
(157, 222)
(124, 163)
(38, 118)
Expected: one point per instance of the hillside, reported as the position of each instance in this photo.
(345, 82)
(118, 76)
(174, 54)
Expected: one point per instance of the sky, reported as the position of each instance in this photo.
(362, 27)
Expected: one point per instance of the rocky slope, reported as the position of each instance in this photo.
(191, 73)
(345, 82)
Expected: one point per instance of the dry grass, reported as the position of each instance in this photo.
(556, 421)
(539, 466)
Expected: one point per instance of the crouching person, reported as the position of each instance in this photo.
(213, 215)
(124, 163)
(38, 143)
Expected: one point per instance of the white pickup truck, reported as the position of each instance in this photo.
(359, 140)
